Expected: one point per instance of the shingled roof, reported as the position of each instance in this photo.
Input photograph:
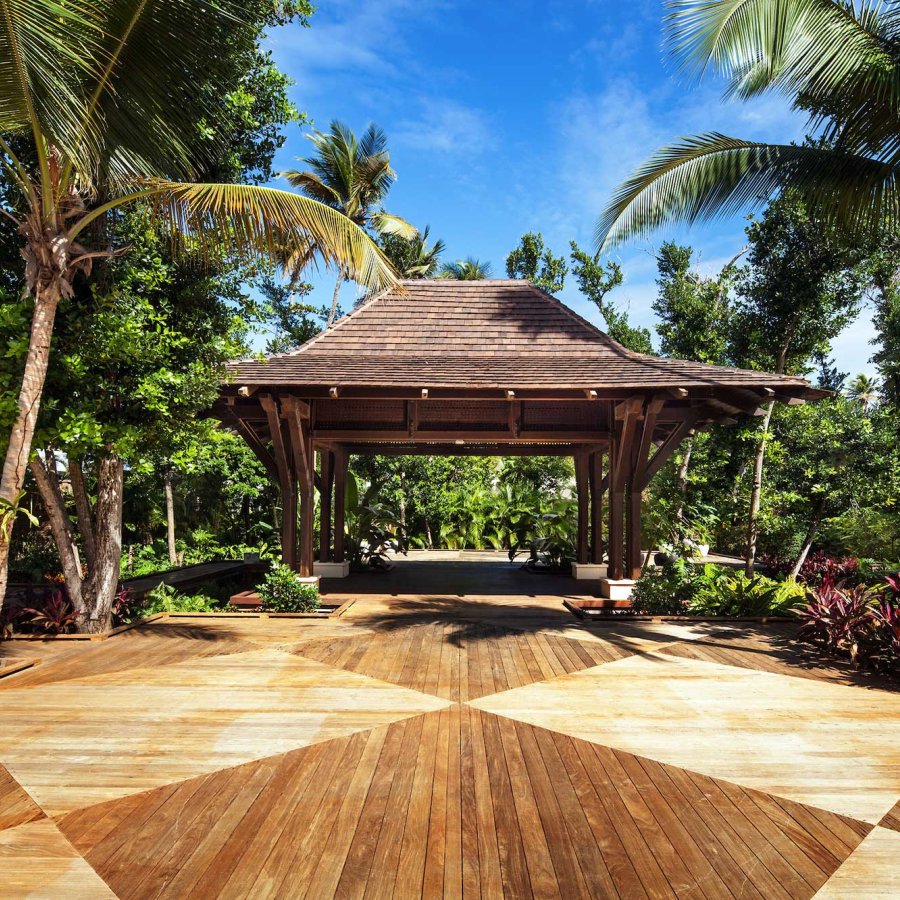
(483, 335)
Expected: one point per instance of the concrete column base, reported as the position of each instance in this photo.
(587, 571)
(616, 589)
(309, 579)
(332, 569)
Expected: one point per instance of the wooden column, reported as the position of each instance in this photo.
(287, 482)
(326, 480)
(582, 490)
(341, 462)
(642, 443)
(633, 558)
(615, 537)
(595, 476)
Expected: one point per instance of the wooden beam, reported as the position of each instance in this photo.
(252, 439)
(667, 448)
(326, 480)
(412, 417)
(286, 482)
(582, 490)
(515, 418)
(298, 428)
(341, 461)
(597, 487)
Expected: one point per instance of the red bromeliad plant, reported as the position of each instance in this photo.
(55, 616)
(838, 617)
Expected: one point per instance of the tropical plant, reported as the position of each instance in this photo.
(352, 176)
(165, 598)
(372, 528)
(282, 591)
(99, 111)
(413, 257)
(468, 269)
(663, 590)
(741, 596)
(836, 617)
(836, 61)
(863, 389)
(55, 615)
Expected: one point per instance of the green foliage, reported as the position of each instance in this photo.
(595, 281)
(742, 597)
(468, 269)
(281, 591)
(413, 257)
(664, 590)
(373, 527)
(165, 598)
(536, 263)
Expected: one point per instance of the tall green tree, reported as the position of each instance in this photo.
(833, 60)
(800, 288)
(352, 176)
(595, 281)
(536, 263)
(99, 106)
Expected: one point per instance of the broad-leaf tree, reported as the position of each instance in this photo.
(351, 175)
(837, 62)
(99, 109)
(536, 263)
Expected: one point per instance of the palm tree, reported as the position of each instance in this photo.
(413, 258)
(468, 269)
(353, 176)
(864, 390)
(99, 111)
(838, 62)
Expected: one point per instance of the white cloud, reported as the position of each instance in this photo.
(446, 126)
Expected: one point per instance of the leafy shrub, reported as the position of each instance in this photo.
(280, 591)
(55, 615)
(664, 591)
(743, 597)
(818, 568)
(165, 598)
(837, 617)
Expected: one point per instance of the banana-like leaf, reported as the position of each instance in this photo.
(713, 175)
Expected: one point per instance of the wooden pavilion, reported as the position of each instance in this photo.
(483, 368)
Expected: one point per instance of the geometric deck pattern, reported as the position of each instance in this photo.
(451, 751)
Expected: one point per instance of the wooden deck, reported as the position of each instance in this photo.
(480, 747)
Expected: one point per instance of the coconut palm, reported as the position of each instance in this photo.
(413, 258)
(863, 389)
(467, 269)
(353, 176)
(99, 110)
(838, 62)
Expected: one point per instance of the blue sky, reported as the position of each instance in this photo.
(510, 117)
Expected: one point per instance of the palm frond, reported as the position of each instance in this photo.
(714, 175)
(386, 223)
(252, 221)
(47, 48)
(145, 98)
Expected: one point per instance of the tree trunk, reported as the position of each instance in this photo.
(104, 579)
(756, 494)
(682, 476)
(818, 510)
(170, 518)
(334, 298)
(19, 450)
(47, 481)
(83, 511)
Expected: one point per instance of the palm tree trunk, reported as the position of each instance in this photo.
(19, 450)
(170, 518)
(342, 276)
